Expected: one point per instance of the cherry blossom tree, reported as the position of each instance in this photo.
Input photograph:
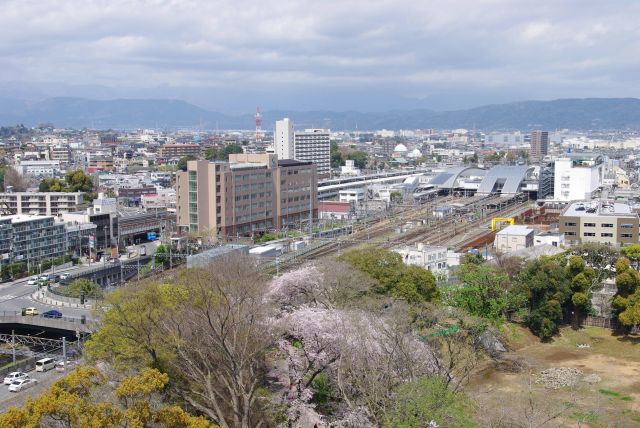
(365, 354)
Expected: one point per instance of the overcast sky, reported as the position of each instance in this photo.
(321, 54)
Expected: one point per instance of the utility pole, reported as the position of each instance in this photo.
(13, 345)
(64, 353)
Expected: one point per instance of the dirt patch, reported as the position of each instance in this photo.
(509, 385)
(562, 356)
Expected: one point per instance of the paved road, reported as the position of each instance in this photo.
(17, 399)
(17, 295)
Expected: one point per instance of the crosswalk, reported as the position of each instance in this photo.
(7, 297)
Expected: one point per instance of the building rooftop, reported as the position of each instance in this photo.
(335, 206)
(292, 162)
(246, 165)
(37, 193)
(598, 208)
(516, 230)
(19, 218)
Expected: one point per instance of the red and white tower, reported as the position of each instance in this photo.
(258, 124)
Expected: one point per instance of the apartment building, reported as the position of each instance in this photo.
(163, 199)
(356, 195)
(101, 164)
(180, 150)
(432, 258)
(283, 143)
(35, 238)
(61, 153)
(539, 144)
(5, 241)
(250, 193)
(603, 222)
(39, 168)
(314, 145)
(577, 177)
(41, 203)
(32, 239)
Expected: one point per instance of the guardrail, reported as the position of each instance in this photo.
(63, 323)
(122, 268)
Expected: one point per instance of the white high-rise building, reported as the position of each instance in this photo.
(577, 177)
(283, 139)
(314, 145)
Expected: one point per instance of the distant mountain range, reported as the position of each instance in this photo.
(578, 114)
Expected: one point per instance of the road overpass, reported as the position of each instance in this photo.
(109, 274)
(44, 327)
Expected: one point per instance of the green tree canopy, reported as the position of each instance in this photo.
(427, 399)
(394, 278)
(485, 292)
(222, 154)
(545, 284)
(359, 158)
(336, 156)
(78, 181)
(182, 162)
(85, 398)
(626, 302)
(81, 286)
(74, 181)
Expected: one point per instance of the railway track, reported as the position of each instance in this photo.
(435, 233)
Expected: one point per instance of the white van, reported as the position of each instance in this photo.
(45, 364)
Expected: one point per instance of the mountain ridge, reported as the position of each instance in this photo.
(124, 113)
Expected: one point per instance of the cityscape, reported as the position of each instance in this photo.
(348, 237)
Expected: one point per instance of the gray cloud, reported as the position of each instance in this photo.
(344, 54)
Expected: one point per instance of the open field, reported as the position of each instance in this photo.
(606, 393)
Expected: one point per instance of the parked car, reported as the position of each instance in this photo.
(19, 385)
(52, 314)
(60, 365)
(31, 311)
(64, 276)
(13, 376)
(45, 364)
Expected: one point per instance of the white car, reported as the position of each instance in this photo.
(19, 385)
(14, 376)
(32, 282)
(65, 276)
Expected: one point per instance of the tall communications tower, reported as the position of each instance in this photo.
(258, 124)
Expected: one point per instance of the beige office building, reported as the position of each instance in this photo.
(603, 222)
(250, 193)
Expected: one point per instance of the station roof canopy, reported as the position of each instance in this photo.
(504, 179)
(449, 179)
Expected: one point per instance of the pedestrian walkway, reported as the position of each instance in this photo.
(47, 298)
